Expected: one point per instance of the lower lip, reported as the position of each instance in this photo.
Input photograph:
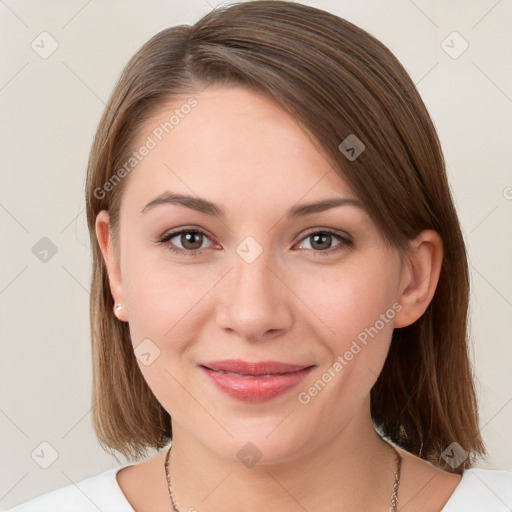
(255, 389)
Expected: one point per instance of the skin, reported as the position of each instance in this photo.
(295, 303)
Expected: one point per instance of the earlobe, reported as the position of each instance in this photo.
(420, 277)
(103, 235)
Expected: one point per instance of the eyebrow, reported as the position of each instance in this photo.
(209, 208)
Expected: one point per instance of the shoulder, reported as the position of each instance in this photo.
(98, 492)
(482, 489)
(427, 487)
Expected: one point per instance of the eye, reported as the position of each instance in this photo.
(320, 242)
(190, 239)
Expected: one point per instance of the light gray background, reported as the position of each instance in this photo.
(50, 109)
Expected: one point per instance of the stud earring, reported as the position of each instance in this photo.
(118, 308)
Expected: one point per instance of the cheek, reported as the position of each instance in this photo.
(351, 301)
(158, 291)
(163, 319)
(355, 313)
(168, 304)
(357, 308)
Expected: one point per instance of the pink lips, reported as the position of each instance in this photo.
(254, 381)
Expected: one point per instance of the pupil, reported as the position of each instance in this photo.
(325, 237)
(188, 238)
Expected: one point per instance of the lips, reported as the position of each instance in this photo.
(254, 381)
(253, 368)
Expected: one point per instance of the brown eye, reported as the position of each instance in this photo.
(322, 241)
(190, 241)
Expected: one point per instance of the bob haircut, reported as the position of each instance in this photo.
(336, 80)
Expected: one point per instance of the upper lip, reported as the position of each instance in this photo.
(253, 368)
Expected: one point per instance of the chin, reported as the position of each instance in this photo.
(261, 447)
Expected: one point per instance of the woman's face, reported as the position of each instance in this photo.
(255, 284)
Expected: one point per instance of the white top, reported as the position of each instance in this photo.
(488, 490)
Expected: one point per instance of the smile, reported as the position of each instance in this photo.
(254, 382)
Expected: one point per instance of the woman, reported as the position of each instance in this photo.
(273, 230)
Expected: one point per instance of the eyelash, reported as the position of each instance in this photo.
(344, 241)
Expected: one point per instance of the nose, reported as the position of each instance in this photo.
(256, 302)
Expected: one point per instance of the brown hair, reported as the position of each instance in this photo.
(336, 80)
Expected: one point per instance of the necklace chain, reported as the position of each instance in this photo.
(392, 505)
(171, 495)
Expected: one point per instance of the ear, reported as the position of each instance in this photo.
(419, 277)
(104, 236)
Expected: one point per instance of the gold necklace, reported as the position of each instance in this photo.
(392, 505)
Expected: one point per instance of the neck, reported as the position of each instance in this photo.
(354, 469)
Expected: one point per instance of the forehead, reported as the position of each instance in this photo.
(233, 143)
